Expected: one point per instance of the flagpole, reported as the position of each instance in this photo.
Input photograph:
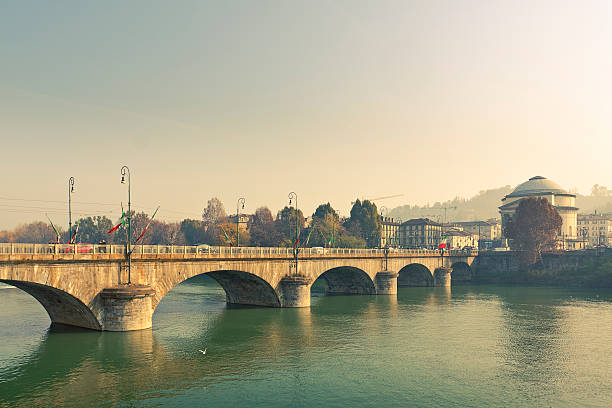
(240, 200)
(70, 190)
(124, 170)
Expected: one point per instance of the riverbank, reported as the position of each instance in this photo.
(592, 272)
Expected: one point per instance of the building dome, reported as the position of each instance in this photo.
(537, 185)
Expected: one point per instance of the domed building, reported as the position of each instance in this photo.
(562, 200)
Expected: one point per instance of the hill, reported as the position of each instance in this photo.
(484, 205)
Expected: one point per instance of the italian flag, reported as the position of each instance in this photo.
(308, 238)
(121, 222)
(331, 240)
(54, 229)
(147, 227)
(297, 241)
(229, 241)
(442, 245)
(76, 230)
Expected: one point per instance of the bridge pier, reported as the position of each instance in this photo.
(386, 283)
(127, 307)
(442, 277)
(295, 291)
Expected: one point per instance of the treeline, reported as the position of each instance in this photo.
(324, 228)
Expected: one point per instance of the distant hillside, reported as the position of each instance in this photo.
(480, 207)
(485, 205)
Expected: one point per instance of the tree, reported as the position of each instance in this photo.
(600, 191)
(214, 212)
(94, 230)
(535, 226)
(285, 225)
(262, 229)
(193, 231)
(163, 233)
(36, 233)
(213, 215)
(365, 222)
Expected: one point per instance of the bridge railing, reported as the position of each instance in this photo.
(206, 251)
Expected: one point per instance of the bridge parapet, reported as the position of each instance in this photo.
(41, 252)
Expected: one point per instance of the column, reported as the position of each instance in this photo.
(386, 283)
(127, 307)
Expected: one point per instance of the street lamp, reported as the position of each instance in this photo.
(293, 196)
(70, 191)
(240, 201)
(128, 246)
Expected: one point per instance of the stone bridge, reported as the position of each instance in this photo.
(92, 286)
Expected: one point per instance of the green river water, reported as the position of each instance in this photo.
(481, 346)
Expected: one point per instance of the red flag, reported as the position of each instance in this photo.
(442, 245)
(297, 241)
(121, 221)
(147, 227)
(115, 228)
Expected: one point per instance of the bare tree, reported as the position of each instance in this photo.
(214, 212)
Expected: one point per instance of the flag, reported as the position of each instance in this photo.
(442, 244)
(331, 240)
(53, 226)
(121, 221)
(229, 241)
(308, 238)
(76, 230)
(297, 241)
(147, 227)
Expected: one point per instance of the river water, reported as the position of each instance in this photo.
(481, 346)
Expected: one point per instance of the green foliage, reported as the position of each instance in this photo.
(94, 230)
(365, 223)
(193, 232)
(285, 225)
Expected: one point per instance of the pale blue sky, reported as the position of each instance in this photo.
(333, 100)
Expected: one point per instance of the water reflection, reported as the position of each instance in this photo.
(472, 346)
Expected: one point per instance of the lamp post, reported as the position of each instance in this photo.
(240, 201)
(293, 196)
(128, 246)
(70, 191)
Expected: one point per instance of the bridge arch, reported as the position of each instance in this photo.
(415, 274)
(461, 272)
(61, 306)
(347, 280)
(240, 288)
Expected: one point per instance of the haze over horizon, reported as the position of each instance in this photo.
(332, 100)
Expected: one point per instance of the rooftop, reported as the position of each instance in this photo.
(537, 185)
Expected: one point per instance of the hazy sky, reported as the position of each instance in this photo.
(333, 100)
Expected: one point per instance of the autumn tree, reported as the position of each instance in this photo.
(164, 233)
(262, 229)
(36, 233)
(535, 226)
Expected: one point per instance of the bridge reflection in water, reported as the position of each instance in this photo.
(523, 331)
(84, 285)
